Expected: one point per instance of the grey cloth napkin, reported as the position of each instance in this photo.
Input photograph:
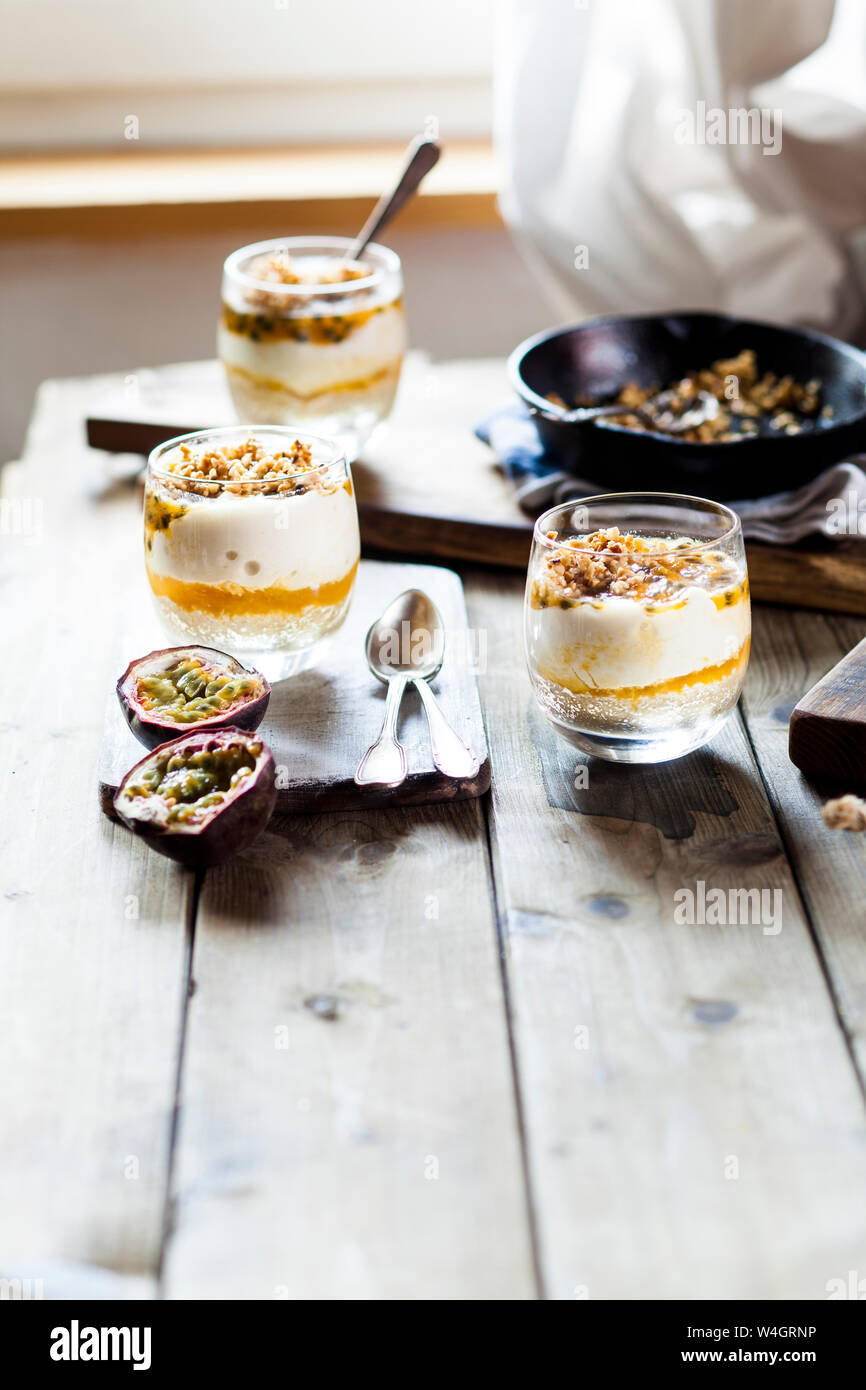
(831, 505)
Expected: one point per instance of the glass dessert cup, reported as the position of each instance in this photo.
(307, 338)
(637, 622)
(251, 543)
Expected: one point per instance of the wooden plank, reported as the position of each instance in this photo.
(285, 175)
(127, 195)
(794, 650)
(348, 1120)
(93, 935)
(694, 1125)
(729, 1032)
(428, 488)
(447, 212)
(826, 575)
(827, 729)
(319, 723)
(428, 462)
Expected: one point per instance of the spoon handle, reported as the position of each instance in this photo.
(420, 157)
(450, 753)
(384, 763)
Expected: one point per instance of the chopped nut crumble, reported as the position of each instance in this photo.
(845, 813)
(779, 403)
(612, 563)
(248, 468)
(278, 268)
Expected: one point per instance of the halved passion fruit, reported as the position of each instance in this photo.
(202, 797)
(167, 692)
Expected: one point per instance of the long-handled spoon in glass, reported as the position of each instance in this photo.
(420, 157)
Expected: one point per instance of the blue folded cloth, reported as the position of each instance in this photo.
(538, 481)
(831, 505)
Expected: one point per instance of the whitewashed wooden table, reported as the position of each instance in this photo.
(451, 1052)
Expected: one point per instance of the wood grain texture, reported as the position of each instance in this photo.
(348, 1116)
(695, 1127)
(282, 175)
(829, 576)
(827, 731)
(792, 651)
(319, 723)
(93, 938)
(348, 1125)
(428, 488)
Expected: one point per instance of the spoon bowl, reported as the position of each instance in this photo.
(659, 412)
(408, 639)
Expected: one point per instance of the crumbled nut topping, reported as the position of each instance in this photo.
(279, 268)
(778, 402)
(845, 813)
(234, 467)
(275, 267)
(621, 564)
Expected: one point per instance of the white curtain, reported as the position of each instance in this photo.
(607, 117)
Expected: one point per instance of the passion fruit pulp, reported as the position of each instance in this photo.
(166, 692)
(200, 798)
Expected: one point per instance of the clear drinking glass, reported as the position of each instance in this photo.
(321, 352)
(251, 542)
(637, 622)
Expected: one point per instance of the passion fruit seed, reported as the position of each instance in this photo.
(202, 797)
(191, 782)
(158, 516)
(191, 690)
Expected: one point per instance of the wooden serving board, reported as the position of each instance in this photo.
(319, 723)
(827, 732)
(429, 488)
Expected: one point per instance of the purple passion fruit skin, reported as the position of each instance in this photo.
(170, 692)
(200, 798)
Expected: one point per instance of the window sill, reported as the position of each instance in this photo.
(296, 190)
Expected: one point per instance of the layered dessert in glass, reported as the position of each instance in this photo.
(309, 337)
(251, 542)
(637, 622)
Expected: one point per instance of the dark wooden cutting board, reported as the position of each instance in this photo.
(428, 488)
(827, 732)
(319, 723)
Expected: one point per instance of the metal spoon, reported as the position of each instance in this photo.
(656, 411)
(421, 155)
(407, 644)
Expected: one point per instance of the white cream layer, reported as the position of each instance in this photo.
(615, 642)
(297, 542)
(308, 368)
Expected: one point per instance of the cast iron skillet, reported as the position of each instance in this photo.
(598, 357)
